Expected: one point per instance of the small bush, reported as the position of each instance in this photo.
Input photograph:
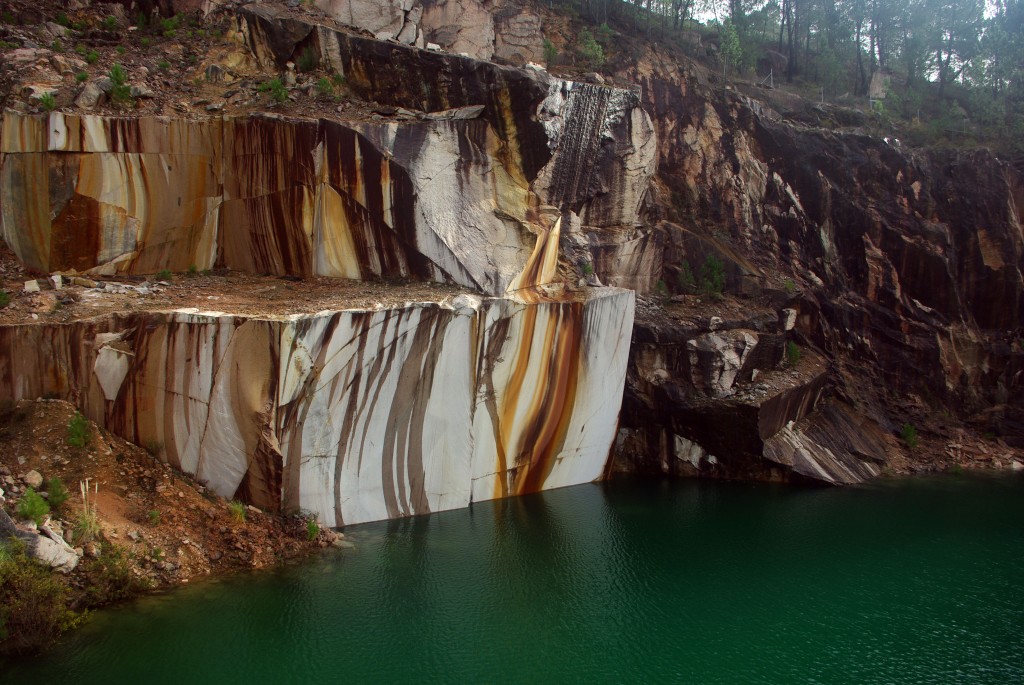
(92, 57)
(589, 50)
(145, 41)
(78, 430)
(57, 45)
(81, 49)
(712, 276)
(686, 280)
(120, 49)
(58, 494)
(307, 60)
(908, 434)
(110, 577)
(164, 274)
(48, 102)
(790, 286)
(792, 353)
(339, 79)
(312, 529)
(33, 507)
(275, 88)
(5, 299)
(82, 76)
(110, 23)
(154, 517)
(86, 528)
(237, 510)
(550, 53)
(163, 65)
(63, 20)
(324, 87)
(121, 92)
(33, 602)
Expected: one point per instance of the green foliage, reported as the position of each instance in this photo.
(169, 26)
(307, 60)
(145, 41)
(712, 276)
(33, 602)
(588, 269)
(86, 527)
(109, 23)
(730, 46)
(237, 510)
(78, 430)
(48, 102)
(661, 291)
(92, 57)
(325, 87)
(790, 286)
(121, 93)
(792, 353)
(7, 45)
(120, 49)
(312, 529)
(686, 280)
(33, 507)
(58, 494)
(164, 275)
(193, 270)
(908, 434)
(81, 49)
(110, 579)
(550, 53)
(275, 88)
(154, 517)
(589, 50)
(163, 65)
(338, 79)
(5, 298)
(57, 45)
(63, 20)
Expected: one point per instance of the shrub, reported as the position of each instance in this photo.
(87, 525)
(33, 507)
(164, 274)
(237, 510)
(92, 57)
(82, 76)
(307, 60)
(275, 88)
(790, 286)
(550, 53)
(589, 50)
(712, 276)
(120, 49)
(78, 430)
(908, 434)
(5, 298)
(163, 65)
(792, 353)
(686, 280)
(58, 494)
(57, 45)
(121, 92)
(153, 516)
(33, 602)
(110, 577)
(312, 529)
(63, 20)
(48, 102)
(324, 87)
(110, 23)
(145, 41)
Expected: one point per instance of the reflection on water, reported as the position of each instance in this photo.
(902, 582)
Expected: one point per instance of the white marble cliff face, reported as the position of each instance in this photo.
(352, 415)
(430, 200)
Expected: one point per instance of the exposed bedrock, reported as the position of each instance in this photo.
(716, 401)
(907, 263)
(352, 415)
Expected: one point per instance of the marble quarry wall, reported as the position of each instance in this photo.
(351, 415)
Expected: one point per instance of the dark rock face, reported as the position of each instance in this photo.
(403, 76)
(904, 267)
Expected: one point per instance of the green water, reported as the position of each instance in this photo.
(915, 581)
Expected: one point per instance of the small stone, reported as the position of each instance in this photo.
(32, 286)
(142, 92)
(133, 535)
(593, 77)
(32, 479)
(57, 280)
(715, 323)
(433, 47)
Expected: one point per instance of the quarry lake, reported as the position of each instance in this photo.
(900, 581)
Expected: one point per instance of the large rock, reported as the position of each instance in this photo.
(352, 415)
(460, 26)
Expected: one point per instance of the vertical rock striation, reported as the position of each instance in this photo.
(352, 415)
